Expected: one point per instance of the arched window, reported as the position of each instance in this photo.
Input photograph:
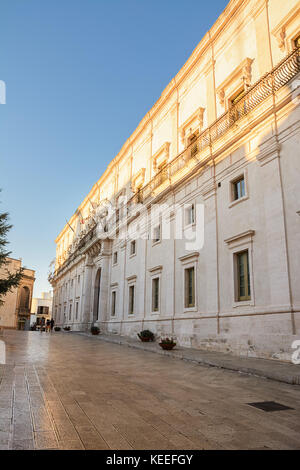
(24, 297)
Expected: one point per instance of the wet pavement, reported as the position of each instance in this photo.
(66, 391)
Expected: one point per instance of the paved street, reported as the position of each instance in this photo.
(66, 391)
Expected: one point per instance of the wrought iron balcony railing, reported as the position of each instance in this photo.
(265, 87)
(255, 95)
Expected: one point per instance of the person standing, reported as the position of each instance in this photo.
(51, 324)
(42, 324)
(48, 324)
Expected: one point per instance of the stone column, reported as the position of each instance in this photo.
(105, 260)
(87, 292)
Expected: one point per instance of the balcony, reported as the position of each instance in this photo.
(264, 88)
(201, 149)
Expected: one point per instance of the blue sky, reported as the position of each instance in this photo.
(80, 75)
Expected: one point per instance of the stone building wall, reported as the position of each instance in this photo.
(13, 314)
(256, 139)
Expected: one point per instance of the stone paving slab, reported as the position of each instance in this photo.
(70, 391)
(270, 369)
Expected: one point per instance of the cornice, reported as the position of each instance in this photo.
(248, 234)
(222, 22)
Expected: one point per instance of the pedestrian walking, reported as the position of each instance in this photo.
(42, 324)
(48, 325)
(51, 324)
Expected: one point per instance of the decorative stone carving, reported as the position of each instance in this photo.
(280, 37)
(161, 156)
(221, 97)
(243, 72)
(195, 121)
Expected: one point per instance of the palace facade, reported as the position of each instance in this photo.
(217, 263)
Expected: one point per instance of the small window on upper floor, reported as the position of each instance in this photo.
(115, 257)
(156, 234)
(238, 188)
(132, 247)
(190, 215)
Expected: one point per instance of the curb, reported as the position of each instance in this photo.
(226, 362)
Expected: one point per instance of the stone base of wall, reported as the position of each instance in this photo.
(267, 336)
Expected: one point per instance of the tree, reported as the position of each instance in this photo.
(11, 280)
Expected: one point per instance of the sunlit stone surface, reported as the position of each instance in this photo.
(225, 134)
(65, 391)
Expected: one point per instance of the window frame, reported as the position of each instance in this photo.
(115, 258)
(155, 309)
(113, 303)
(131, 308)
(241, 175)
(156, 241)
(187, 304)
(187, 262)
(187, 209)
(132, 243)
(238, 296)
(238, 244)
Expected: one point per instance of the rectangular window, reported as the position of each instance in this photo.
(76, 310)
(190, 214)
(115, 260)
(189, 287)
(113, 303)
(70, 311)
(156, 234)
(131, 300)
(192, 142)
(237, 96)
(78, 279)
(243, 276)
(155, 294)
(132, 247)
(238, 187)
